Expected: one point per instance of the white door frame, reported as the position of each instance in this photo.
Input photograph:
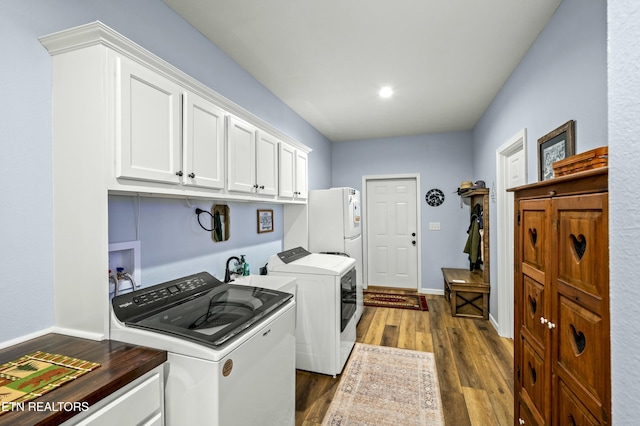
(504, 221)
(365, 242)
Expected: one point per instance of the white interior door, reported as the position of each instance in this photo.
(392, 229)
(512, 172)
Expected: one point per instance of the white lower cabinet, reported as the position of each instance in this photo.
(141, 403)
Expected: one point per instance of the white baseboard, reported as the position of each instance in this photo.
(54, 329)
(78, 333)
(435, 291)
(494, 323)
(26, 337)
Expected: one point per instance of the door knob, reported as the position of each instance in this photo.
(413, 234)
(413, 242)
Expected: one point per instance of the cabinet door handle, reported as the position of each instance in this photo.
(179, 173)
(551, 325)
(413, 242)
(261, 186)
(255, 186)
(192, 175)
(520, 421)
(543, 320)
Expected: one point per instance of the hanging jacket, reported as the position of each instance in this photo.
(474, 240)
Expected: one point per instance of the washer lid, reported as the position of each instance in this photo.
(314, 263)
(198, 308)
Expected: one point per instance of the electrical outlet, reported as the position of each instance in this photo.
(434, 226)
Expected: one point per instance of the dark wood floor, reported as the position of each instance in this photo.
(475, 365)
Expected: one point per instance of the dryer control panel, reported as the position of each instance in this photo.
(293, 254)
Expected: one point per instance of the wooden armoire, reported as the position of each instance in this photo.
(562, 361)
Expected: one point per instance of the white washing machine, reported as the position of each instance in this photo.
(326, 307)
(231, 349)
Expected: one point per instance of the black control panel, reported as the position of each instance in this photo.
(293, 254)
(130, 306)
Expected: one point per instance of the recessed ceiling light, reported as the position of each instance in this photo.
(385, 92)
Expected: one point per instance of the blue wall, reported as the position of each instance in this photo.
(562, 77)
(443, 160)
(173, 245)
(26, 243)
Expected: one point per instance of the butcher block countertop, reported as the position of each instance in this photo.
(121, 363)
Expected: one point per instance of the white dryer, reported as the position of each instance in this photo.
(326, 306)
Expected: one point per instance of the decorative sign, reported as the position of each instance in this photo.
(434, 197)
(265, 221)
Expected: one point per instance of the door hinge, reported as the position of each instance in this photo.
(518, 373)
(518, 217)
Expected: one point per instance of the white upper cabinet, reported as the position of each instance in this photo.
(293, 173)
(148, 141)
(155, 130)
(302, 167)
(203, 155)
(252, 159)
(241, 145)
(287, 180)
(266, 164)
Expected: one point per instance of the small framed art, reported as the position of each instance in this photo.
(265, 221)
(555, 145)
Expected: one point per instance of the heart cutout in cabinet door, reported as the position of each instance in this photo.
(533, 374)
(533, 305)
(579, 245)
(579, 339)
(533, 236)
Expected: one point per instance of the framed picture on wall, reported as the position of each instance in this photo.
(555, 145)
(265, 221)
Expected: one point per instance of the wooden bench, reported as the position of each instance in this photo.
(467, 293)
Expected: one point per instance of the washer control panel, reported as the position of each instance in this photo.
(129, 306)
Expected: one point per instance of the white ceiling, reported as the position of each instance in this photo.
(327, 59)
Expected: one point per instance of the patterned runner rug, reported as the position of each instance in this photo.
(395, 300)
(387, 386)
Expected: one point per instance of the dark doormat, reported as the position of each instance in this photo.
(395, 300)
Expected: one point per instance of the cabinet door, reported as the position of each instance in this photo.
(580, 354)
(140, 402)
(287, 175)
(203, 143)
(533, 307)
(148, 125)
(301, 175)
(241, 145)
(266, 164)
